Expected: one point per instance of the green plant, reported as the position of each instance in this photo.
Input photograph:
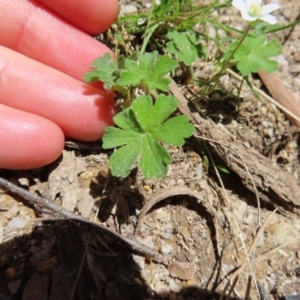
(254, 54)
(142, 128)
(165, 42)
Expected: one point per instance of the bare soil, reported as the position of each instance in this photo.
(221, 235)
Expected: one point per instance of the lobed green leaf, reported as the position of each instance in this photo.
(154, 159)
(124, 159)
(104, 69)
(254, 54)
(141, 129)
(174, 131)
(148, 71)
(184, 46)
(131, 75)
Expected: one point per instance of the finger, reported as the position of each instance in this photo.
(38, 142)
(38, 34)
(81, 111)
(92, 16)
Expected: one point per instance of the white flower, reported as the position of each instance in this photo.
(252, 10)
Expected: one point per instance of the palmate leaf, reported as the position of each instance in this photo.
(132, 75)
(104, 69)
(148, 71)
(142, 128)
(174, 131)
(154, 158)
(184, 46)
(149, 116)
(254, 54)
(124, 159)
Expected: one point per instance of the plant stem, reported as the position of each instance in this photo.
(146, 39)
(226, 63)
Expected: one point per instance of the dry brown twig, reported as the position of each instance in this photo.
(166, 193)
(285, 98)
(272, 184)
(60, 213)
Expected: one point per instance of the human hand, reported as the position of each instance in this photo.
(45, 49)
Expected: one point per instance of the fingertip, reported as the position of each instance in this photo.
(91, 16)
(93, 114)
(106, 113)
(28, 141)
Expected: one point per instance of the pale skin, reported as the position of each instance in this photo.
(45, 48)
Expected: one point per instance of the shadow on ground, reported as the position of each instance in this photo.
(46, 264)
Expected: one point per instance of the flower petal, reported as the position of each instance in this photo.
(269, 19)
(253, 2)
(247, 17)
(239, 4)
(269, 8)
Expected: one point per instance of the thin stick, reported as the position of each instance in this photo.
(80, 267)
(59, 211)
(250, 266)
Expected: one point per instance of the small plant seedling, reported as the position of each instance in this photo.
(142, 129)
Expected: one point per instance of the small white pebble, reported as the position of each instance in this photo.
(199, 170)
(172, 182)
(24, 181)
(180, 181)
(167, 233)
(128, 9)
(263, 110)
(269, 132)
(148, 241)
(141, 21)
(173, 286)
(296, 82)
(148, 4)
(166, 249)
(282, 62)
(265, 124)
(212, 32)
(17, 222)
(140, 261)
